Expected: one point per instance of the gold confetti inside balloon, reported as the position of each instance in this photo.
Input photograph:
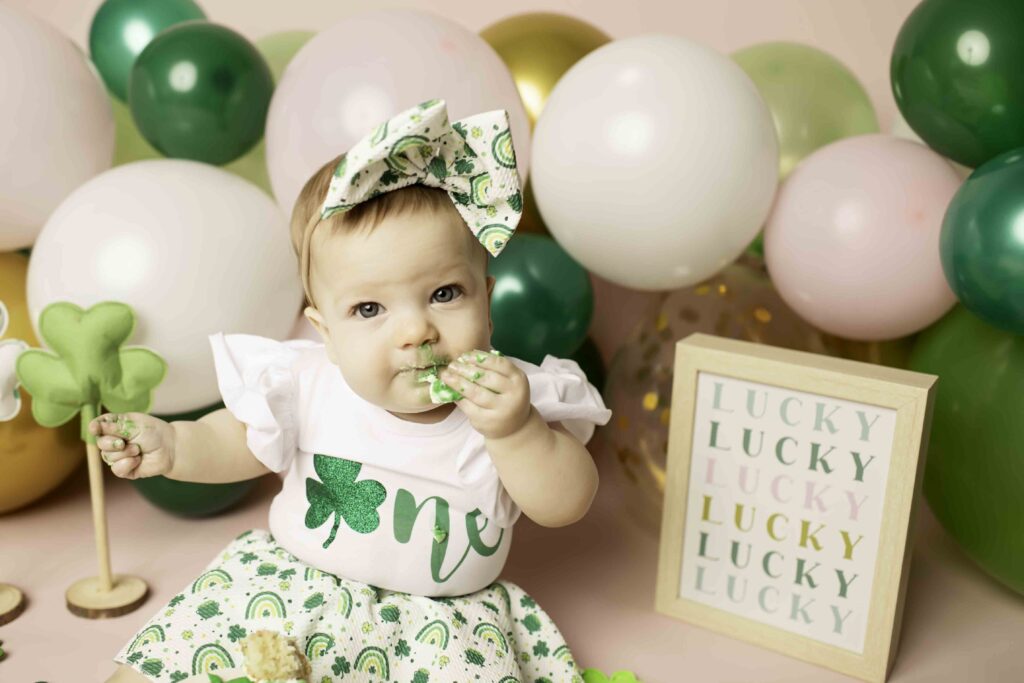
(738, 303)
(33, 459)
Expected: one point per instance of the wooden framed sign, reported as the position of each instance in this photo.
(792, 482)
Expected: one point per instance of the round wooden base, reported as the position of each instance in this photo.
(12, 603)
(86, 598)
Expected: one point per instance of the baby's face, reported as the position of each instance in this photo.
(417, 278)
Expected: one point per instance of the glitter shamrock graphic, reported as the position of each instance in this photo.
(339, 494)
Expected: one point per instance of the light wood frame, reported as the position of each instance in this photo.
(909, 394)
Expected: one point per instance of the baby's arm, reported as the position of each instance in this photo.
(546, 471)
(211, 450)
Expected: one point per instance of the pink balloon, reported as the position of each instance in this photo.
(358, 73)
(852, 243)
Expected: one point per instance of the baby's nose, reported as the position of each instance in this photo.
(417, 331)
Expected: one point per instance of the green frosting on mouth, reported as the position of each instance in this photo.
(439, 391)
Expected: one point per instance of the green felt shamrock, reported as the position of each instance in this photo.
(88, 368)
(597, 676)
(341, 495)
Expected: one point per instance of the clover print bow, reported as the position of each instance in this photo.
(472, 159)
(89, 368)
(339, 493)
(10, 349)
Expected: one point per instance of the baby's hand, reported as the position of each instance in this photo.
(496, 393)
(135, 445)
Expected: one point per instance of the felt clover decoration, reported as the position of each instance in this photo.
(338, 493)
(10, 349)
(89, 368)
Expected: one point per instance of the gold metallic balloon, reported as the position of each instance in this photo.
(538, 49)
(33, 459)
(738, 303)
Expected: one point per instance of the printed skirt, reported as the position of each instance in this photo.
(351, 631)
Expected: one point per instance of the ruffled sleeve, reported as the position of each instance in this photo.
(561, 393)
(258, 386)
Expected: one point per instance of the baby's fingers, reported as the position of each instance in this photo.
(116, 455)
(126, 466)
(110, 443)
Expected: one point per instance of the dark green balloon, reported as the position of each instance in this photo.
(974, 476)
(122, 28)
(982, 242)
(589, 358)
(542, 301)
(189, 499)
(201, 91)
(957, 77)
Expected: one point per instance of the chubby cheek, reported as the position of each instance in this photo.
(363, 373)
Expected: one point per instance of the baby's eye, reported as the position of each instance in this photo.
(447, 293)
(367, 309)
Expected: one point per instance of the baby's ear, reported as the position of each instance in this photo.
(317, 321)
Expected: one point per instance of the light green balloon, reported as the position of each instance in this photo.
(813, 98)
(278, 49)
(129, 145)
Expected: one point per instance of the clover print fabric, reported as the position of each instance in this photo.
(351, 631)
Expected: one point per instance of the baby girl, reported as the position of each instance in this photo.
(396, 512)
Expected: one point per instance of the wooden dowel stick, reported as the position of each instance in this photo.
(99, 515)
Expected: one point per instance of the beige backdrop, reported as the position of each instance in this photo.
(595, 578)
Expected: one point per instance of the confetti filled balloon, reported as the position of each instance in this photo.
(738, 303)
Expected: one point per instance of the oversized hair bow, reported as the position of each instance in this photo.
(472, 159)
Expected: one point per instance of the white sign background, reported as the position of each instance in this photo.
(784, 509)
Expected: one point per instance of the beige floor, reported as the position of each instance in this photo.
(596, 580)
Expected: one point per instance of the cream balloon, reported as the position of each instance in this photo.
(58, 127)
(362, 71)
(655, 162)
(192, 248)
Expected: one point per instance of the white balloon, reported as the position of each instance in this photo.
(56, 124)
(191, 248)
(353, 76)
(655, 162)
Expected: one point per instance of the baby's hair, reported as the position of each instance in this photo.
(365, 216)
